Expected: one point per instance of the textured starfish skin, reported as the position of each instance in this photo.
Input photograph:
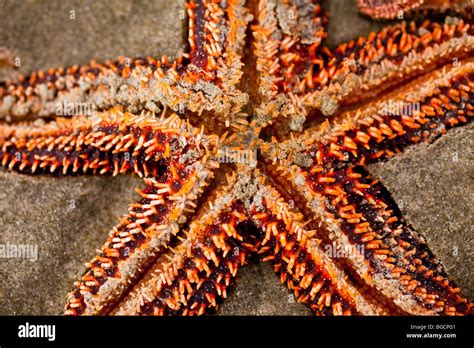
(389, 9)
(200, 215)
(300, 78)
(202, 80)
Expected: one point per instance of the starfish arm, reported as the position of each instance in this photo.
(201, 80)
(285, 37)
(420, 112)
(196, 271)
(392, 251)
(390, 263)
(196, 274)
(301, 262)
(353, 72)
(142, 236)
(114, 142)
(396, 263)
(364, 68)
(389, 9)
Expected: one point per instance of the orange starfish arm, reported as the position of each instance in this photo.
(392, 57)
(297, 79)
(421, 111)
(112, 143)
(193, 265)
(301, 262)
(141, 237)
(204, 79)
(286, 41)
(328, 181)
(389, 9)
(192, 277)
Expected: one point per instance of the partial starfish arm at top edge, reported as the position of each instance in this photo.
(291, 89)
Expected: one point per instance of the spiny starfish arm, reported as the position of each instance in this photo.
(203, 80)
(426, 109)
(96, 85)
(420, 111)
(393, 56)
(140, 238)
(367, 217)
(324, 183)
(389, 9)
(301, 263)
(285, 37)
(354, 71)
(444, 104)
(383, 256)
(112, 142)
(31, 148)
(191, 279)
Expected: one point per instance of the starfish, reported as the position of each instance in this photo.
(261, 153)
